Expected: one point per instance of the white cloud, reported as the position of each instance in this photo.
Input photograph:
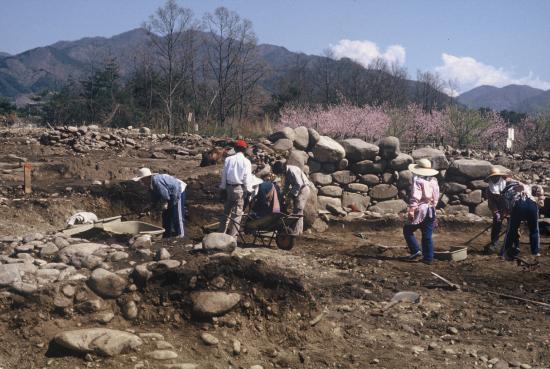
(366, 51)
(470, 73)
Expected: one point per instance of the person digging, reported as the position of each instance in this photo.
(497, 182)
(424, 197)
(168, 192)
(522, 201)
(297, 185)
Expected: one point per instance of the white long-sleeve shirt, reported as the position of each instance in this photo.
(295, 180)
(237, 170)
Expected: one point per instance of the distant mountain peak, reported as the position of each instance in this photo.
(510, 97)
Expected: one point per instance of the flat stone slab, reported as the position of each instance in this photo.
(101, 341)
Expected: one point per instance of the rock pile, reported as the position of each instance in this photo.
(354, 176)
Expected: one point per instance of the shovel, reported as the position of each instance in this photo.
(410, 297)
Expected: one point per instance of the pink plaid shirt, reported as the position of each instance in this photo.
(424, 197)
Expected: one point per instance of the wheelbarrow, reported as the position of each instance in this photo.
(276, 227)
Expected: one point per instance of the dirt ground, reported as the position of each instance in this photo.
(316, 306)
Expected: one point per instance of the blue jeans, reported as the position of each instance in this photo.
(427, 228)
(524, 210)
(173, 219)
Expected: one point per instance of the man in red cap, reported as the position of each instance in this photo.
(235, 184)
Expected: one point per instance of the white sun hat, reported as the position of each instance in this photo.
(142, 173)
(423, 168)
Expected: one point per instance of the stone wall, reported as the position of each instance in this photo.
(354, 176)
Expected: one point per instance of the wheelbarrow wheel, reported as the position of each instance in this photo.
(284, 241)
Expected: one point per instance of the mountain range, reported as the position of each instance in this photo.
(50, 67)
(519, 98)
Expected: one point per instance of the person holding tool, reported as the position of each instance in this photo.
(497, 181)
(297, 185)
(235, 185)
(168, 191)
(423, 200)
(522, 201)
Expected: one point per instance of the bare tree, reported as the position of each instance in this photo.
(231, 59)
(429, 90)
(171, 34)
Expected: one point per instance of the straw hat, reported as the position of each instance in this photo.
(423, 168)
(495, 171)
(142, 173)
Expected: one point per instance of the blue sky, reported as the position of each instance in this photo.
(493, 42)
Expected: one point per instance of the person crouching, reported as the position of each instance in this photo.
(170, 192)
(424, 197)
(523, 201)
(297, 184)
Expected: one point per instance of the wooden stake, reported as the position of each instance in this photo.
(27, 170)
(503, 295)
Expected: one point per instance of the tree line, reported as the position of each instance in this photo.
(208, 69)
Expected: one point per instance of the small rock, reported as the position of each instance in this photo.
(208, 303)
(209, 339)
(163, 345)
(162, 254)
(106, 284)
(130, 310)
(162, 355)
(452, 330)
(104, 317)
(449, 351)
(236, 347)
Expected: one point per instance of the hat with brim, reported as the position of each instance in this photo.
(423, 168)
(142, 173)
(495, 171)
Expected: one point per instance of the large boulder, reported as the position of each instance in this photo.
(401, 162)
(370, 179)
(389, 147)
(100, 341)
(314, 137)
(454, 188)
(297, 158)
(285, 133)
(472, 198)
(9, 274)
(389, 207)
(301, 138)
(331, 191)
(359, 150)
(483, 210)
(107, 284)
(404, 181)
(470, 168)
(437, 157)
(209, 304)
(321, 179)
(383, 192)
(343, 177)
(219, 241)
(328, 151)
(358, 187)
(75, 254)
(282, 145)
(314, 166)
(311, 210)
(368, 167)
(325, 200)
(355, 201)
